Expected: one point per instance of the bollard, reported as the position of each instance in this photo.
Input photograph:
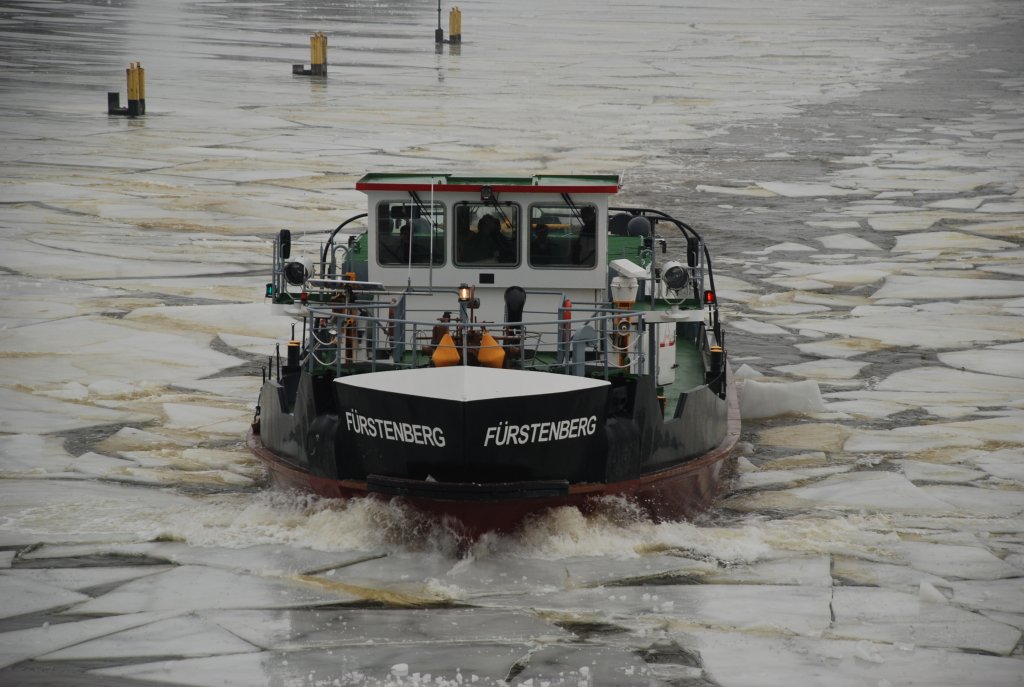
(317, 57)
(136, 78)
(455, 26)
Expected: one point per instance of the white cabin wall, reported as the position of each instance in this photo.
(584, 285)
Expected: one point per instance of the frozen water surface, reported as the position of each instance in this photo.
(857, 171)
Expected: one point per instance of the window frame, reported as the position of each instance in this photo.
(569, 236)
(460, 236)
(437, 233)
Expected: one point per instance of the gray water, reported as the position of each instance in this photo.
(856, 171)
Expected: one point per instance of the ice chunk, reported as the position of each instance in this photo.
(251, 320)
(979, 501)
(918, 471)
(824, 369)
(998, 595)
(132, 439)
(298, 629)
(755, 327)
(952, 241)
(21, 645)
(952, 561)
(33, 414)
(863, 573)
(22, 595)
(932, 288)
(871, 490)
(842, 347)
(485, 665)
(795, 609)
(745, 371)
(1006, 361)
(33, 454)
(847, 242)
(932, 328)
(791, 190)
(1007, 463)
(807, 436)
(80, 579)
(771, 399)
(779, 478)
(895, 617)
(184, 637)
(771, 661)
(207, 419)
(193, 587)
(917, 438)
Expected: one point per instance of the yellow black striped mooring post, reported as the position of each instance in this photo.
(317, 57)
(136, 76)
(455, 25)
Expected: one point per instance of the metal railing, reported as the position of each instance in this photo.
(376, 335)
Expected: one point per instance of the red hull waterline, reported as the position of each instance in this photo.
(679, 492)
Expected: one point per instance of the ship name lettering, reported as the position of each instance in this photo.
(506, 434)
(405, 432)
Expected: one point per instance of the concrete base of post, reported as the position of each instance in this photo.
(314, 70)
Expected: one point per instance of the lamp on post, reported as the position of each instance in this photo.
(467, 300)
(439, 32)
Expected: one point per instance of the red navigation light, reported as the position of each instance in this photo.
(709, 298)
(303, 296)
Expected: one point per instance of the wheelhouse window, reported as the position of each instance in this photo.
(563, 235)
(487, 234)
(410, 233)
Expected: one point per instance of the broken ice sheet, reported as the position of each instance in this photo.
(802, 610)
(264, 559)
(85, 578)
(834, 369)
(34, 414)
(917, 326)
(875, 491)
(196, 587)
(298, 629)
(441, 577)
(770, 661)
(239, 325)
(918, 438)
(185, 636)
(1006, 463)
(893, 617)
(483, 664)
(1006, 360)
(780, 478)
(21, 645)
(954, 562)
(847, 242)
(857, 572)
(22, 595)
(952, 241)
(82, 510)
(560, 665)
(933, 288)
(1000, 595)
(918, 471)
(25, 455)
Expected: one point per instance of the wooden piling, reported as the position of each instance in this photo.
(135, 77)
(455, 25)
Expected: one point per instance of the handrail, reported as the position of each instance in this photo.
(352, 335)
